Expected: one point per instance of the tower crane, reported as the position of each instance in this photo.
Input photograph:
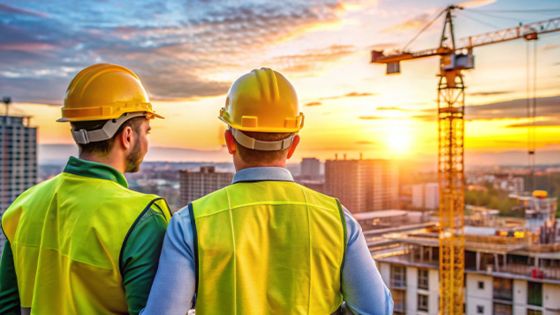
(455, 56)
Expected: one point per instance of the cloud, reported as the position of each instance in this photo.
(517, 108)
(384, 46)
(315, 103)
(335, 97)
(370, 117)
(426, 117)
(475, 3)
(550, 47)
(346, 95)
(312, 59)
(543, 123)
(366, 142)
(488, 93)
(414, 23)
(357, 94)
(392, 108)
(15, 10)
(547, 108)
(175, 46)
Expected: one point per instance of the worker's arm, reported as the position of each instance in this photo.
(140, 257)
(174, 285)
(9, 295)
(363, 288)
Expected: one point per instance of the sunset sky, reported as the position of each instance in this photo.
(187, 53)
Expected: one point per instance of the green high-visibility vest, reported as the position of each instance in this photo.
(268, 247)
(66, 235)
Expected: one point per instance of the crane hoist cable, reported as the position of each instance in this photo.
(470, 17)
(531, 103)
(423, 30)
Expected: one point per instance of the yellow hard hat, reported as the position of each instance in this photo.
(103, 92)
(540, 194)
(262, 100)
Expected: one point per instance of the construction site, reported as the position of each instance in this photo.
(475, 264)
(511, 267)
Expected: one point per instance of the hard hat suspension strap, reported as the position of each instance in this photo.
(82, 136)
(260, 145)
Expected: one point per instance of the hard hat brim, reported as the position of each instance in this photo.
(149, 115)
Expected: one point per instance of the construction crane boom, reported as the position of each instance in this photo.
(454, 58)
(529, 31)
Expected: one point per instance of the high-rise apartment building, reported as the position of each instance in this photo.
(310, 168)
(18, 160)
(363, 185)
(197, 184)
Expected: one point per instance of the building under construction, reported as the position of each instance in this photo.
(510, 267)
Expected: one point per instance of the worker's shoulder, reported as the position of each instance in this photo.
(40, 188)
(213, 197)
(30, 195)
(112, 192)
(319, 198)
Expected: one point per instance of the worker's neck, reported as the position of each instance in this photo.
(108, 159)
(239, 165)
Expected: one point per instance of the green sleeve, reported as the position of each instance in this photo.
(140, 257)
(9, 295)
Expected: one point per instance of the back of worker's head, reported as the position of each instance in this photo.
(263, 116)
(109, 110)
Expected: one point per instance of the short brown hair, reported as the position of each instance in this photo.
(253, 157)
(103, 147)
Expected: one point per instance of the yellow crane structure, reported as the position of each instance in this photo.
(455, 56)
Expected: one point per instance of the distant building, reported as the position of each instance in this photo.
(425, 196)
(363, 185)
(194, 185)
(310, 168)
(18, 160)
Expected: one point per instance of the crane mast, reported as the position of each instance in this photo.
(454, 58)
(451, 178)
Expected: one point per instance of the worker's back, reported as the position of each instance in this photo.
(66, 235)
(268, 247)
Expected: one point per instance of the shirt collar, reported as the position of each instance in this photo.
(253, 174)
(93, 169)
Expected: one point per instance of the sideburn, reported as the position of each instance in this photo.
(134, 158)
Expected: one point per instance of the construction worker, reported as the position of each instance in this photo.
(82, 242)
(265, 244)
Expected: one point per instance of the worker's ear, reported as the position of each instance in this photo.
(126, 138)
(230, 142)
(292, 148)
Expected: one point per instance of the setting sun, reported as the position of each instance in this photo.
(397, 135)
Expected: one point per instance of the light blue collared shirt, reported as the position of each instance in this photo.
(173, 289)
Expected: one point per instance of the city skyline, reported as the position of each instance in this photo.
(188, 54)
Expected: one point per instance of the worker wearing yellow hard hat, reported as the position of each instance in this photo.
(82, 242)
(265, 244)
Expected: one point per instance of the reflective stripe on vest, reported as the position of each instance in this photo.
(268, 247)
(66, 236)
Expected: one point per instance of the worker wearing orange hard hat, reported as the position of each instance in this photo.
(265, 244)
(82, 242)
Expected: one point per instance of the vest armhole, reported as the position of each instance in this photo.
(130, 230)
(344, 229)
(163, 211)
(195, 252)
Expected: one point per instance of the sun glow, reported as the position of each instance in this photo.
(397, 136)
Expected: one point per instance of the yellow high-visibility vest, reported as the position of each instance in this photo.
(268, 247)
(66, 235)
